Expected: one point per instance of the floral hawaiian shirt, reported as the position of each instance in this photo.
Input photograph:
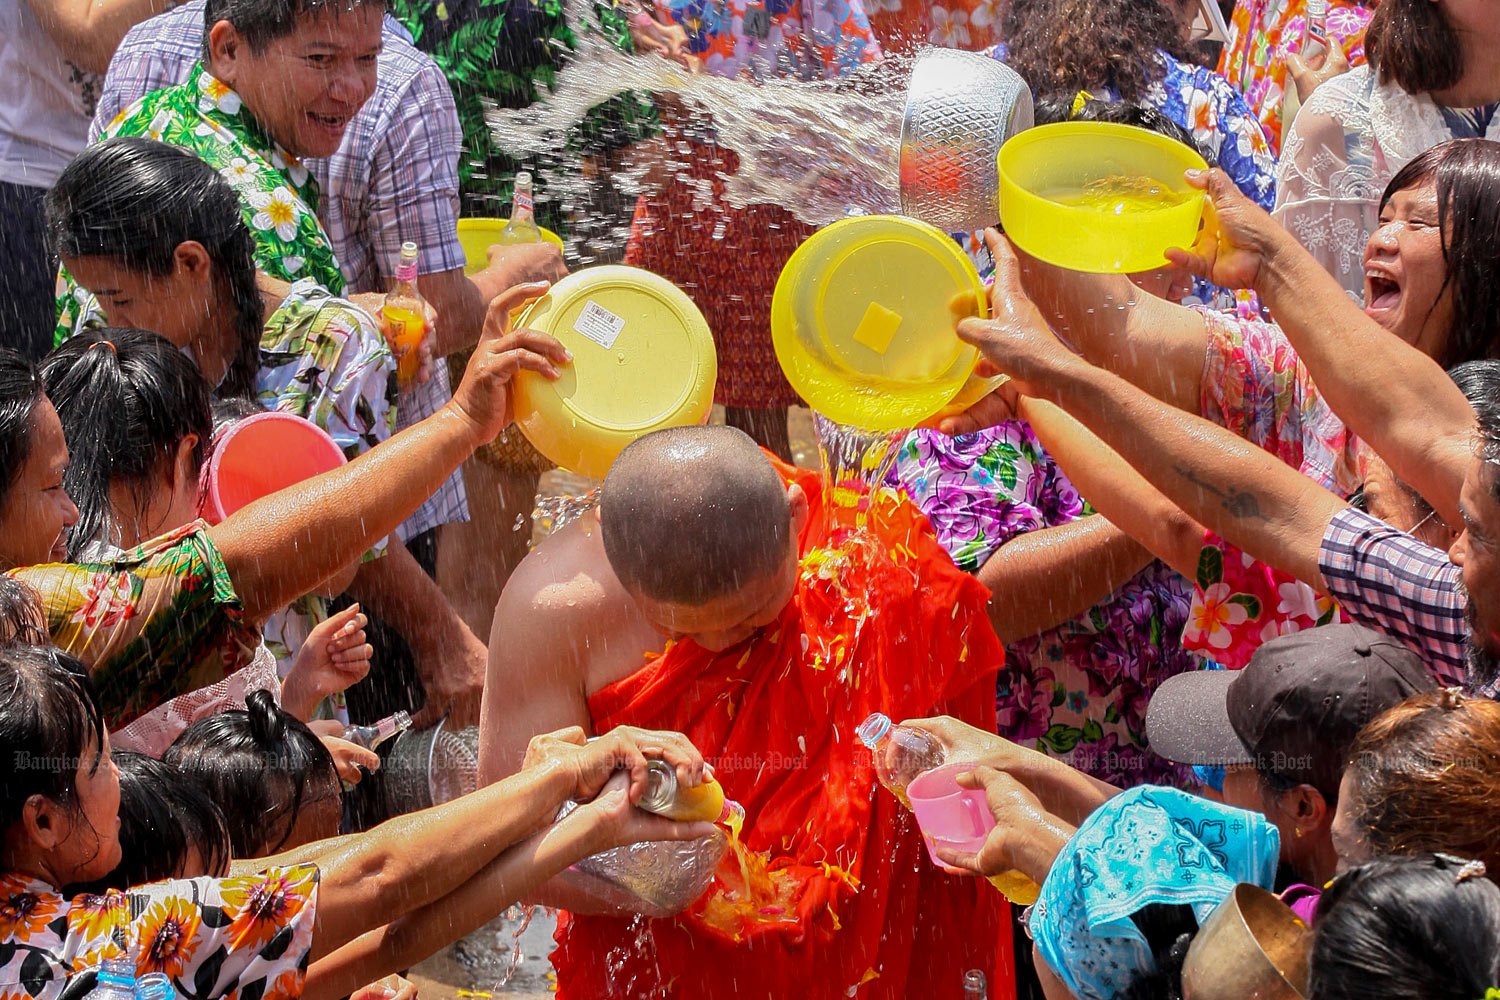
(246, 936)
(323, 358)
(278, 196)
(905, 26)
(1255, 385)
(160, 620)
(1261, 35)
(1078, 691)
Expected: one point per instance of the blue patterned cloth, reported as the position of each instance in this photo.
(1148, 845)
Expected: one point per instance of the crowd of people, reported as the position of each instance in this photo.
(1203, 596)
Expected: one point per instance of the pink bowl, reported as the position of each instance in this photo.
(261, 455)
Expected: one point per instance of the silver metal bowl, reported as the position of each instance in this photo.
(960, 109)
(427, 767)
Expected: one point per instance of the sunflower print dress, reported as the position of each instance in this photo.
(248, 937)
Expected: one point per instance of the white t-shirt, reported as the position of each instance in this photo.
(45, 101)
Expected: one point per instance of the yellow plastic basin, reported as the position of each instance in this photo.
(863, 321)
(643, 359)
(1092, 196)
(476, 236)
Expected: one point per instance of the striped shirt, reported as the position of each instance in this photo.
(1387, 580)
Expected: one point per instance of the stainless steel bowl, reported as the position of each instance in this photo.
(427, 767)
(960, 109)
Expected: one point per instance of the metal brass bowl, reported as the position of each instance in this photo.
(1252, 947)
(960, 109)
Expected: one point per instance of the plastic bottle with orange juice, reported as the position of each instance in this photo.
(404, 316)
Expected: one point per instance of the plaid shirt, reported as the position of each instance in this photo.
(1387, 580)
(394, 178)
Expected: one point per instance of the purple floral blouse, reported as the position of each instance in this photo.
(1078, 691)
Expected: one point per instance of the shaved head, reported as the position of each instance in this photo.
(692, 514)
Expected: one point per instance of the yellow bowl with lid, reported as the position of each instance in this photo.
(643, 360)
(863, 321)
(1099, 197)
(478, 235)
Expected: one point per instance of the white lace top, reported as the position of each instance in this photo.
(1348, 141)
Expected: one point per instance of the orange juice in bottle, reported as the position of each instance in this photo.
(405, 317)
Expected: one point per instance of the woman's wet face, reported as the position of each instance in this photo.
(89, 847)
(36, 512)
(1405, 271)
(172, 304)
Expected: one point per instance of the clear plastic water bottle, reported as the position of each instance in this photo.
(116, 980)
(154, 986)
(901, 752)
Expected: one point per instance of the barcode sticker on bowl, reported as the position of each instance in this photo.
(599, 325)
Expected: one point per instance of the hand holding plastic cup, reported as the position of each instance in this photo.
(950, 815)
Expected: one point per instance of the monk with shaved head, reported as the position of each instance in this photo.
(714, 593)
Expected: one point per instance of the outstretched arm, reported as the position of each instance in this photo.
(1244, 494)
(282, 546)
(1417, 420)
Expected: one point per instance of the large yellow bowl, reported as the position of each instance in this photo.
(643, 359)
(1051, 162)
(863, 321)
(477, 235)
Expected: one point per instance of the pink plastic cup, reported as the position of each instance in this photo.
(261, 455)
(950, 816)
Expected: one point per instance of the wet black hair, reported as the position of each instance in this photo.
(163, 815)
(262, 22)
(136, 201)
(1466, 173)
(22, 620)
(127, 400)
(260, 766)
(20, 392)
(50, 726)
(1063, 46)
(1169, 929)
(1050, 111)
(1401, 927)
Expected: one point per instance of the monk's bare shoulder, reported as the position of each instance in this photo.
(566, 605)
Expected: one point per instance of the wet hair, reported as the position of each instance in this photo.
(50, 726)
(691, 514)
(1425, 776)
(260, 766)
(1054, 110)
(1169, 930)
(136, 201)
(127, 400)
(1466, 173)
(1411, 44)
(1063, 46)
(22, 620)
(164, 814)
(1397, 928)
(20, 392)
(262, 22)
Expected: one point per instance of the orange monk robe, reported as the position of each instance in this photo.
(775, 715)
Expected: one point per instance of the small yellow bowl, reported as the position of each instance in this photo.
(643, 360)
(863, 321)
(477, 235)
(1099, 197)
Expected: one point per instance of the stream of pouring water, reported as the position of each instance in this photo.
(822, 150)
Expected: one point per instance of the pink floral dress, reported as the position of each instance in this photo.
(1255, 385)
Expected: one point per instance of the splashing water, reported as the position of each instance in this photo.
(554, 513)
(822, 150)
(493, 954)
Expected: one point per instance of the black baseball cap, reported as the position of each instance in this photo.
(1295, 708)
